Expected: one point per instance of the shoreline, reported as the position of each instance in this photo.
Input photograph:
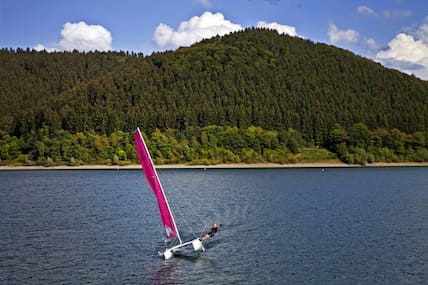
(220, 166)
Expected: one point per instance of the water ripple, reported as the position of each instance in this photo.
(279, 226)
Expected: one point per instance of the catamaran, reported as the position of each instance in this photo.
(169, 225)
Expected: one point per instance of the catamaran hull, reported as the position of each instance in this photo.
(196, 244)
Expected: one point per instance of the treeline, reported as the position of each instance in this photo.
(359, 145)
(213, 145)
(207, 145)
(249, 78)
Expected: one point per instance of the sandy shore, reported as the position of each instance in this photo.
(218, 166)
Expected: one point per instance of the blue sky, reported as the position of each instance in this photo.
(392, 32)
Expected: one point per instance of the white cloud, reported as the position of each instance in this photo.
(397, 14)
(82, 37)
(405, 48)
(422, 32)
(408, 53)
(387, 14)
(364, 10)
(41, 47)
(194, 30)
(351, 37)
(371, 44)
(347, 36)
(85, 37)
(205, 3)
(282, 29)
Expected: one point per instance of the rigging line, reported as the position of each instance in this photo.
(188, 205)
(178, 209)
(203, 230)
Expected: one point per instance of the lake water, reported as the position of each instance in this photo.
(279, 226)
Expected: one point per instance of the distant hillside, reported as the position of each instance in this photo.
(252, 77)
(31, 82)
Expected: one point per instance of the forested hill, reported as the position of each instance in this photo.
(248, 78)
(32, 82)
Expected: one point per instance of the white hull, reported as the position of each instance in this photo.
(197, 246)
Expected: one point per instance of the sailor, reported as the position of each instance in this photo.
(211, 233)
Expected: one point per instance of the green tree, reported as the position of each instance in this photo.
(9, 148)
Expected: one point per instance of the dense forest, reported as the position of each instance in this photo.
(214, 144)
(206, 103)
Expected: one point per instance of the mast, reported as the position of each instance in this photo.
(152, 177)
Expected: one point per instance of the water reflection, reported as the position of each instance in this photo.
(166, 274)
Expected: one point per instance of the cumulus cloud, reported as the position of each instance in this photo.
(197, 28)
(282, 29)
(352, 37)
(346, 36)
(405, 48)
(85, 37)
(407, 54)
(82, 37)
(41, 47)
(422, 32)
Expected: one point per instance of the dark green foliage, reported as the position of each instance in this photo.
(35, 88)
(212, 145)
(358, 145)
(253, 77)
(208, 145)
(248, 78)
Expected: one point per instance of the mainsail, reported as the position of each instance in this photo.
(154, 182)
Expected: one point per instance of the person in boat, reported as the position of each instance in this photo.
(211, 233)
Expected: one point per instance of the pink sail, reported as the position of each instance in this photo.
(153, 179)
